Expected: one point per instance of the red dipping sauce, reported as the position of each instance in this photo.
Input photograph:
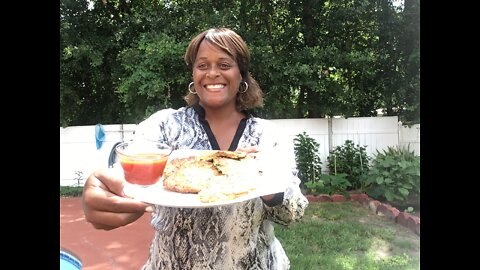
(143, 169)
(143, 163)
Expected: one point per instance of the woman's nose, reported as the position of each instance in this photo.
(213, 72)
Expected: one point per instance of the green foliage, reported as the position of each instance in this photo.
(329, 184)
(409, 210)
(76, 190)
(352, 160)
(306, 156)
(122, 60)
(88, 65)
(148, 85)
(71, 191)
(394, 175)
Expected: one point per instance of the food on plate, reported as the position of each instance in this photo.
(221, 188)
(188, 175)
(143, 169)
(143, 162)
(214, 175)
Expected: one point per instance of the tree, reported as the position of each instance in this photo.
(88, 65)
(121, 60)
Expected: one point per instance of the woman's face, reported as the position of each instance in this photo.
(216, 76)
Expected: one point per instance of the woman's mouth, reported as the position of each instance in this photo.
(214, 87)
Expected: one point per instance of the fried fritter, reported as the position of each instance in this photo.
(188, 175)
(217, 176)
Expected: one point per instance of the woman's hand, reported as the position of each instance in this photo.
(104, 203)
(267, 197)
(248, 150)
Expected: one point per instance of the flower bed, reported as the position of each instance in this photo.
(405, 219)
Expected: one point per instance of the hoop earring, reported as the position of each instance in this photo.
(246, 88)
(190, 88)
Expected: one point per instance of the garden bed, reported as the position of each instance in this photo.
(409, 220)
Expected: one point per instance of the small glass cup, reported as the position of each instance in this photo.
(143, 162)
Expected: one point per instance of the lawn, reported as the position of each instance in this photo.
(348, 236)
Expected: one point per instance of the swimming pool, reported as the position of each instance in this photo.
(68, 261)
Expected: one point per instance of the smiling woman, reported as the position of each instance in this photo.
(216, 76)
(229, 54)
(239, 235)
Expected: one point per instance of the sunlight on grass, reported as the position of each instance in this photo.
(380, 249)
(347, 263)
(344, 236)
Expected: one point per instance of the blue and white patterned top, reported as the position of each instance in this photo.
(230, 237)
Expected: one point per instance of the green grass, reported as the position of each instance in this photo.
(69, 191)
(347, 236)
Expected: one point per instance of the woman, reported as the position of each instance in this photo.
(235, 236)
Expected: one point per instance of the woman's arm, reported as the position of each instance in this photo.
(291, 206)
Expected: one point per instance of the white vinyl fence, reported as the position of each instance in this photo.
(79, 156)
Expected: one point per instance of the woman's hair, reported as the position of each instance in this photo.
(231, 43)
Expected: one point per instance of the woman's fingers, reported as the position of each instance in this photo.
(109, 220)
(251, 149)
(103, 200)
(109, 179)
(104, 203)
(103, 191)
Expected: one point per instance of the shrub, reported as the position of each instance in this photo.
(71, 191)
(329, 184)
(308, 162)
(352, 160)
(394, 175)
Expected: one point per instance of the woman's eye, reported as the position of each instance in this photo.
(224, 66)
(202, 66)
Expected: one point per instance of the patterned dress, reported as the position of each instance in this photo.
(232, 237)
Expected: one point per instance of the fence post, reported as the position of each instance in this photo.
(330, 134)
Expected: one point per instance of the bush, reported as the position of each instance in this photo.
(329, 184)
(352, 160)
(308, 162)
(69, 191)
(394, 175)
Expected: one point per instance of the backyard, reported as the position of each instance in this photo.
(344, 236)
(334, 236)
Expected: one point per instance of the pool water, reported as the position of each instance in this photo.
(69, 261)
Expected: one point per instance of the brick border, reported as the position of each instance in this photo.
(405, 219)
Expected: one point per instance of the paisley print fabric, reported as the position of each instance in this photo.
(233, 237)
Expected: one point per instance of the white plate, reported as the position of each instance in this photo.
(157, 194)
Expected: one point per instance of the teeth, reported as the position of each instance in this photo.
(216, 86)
